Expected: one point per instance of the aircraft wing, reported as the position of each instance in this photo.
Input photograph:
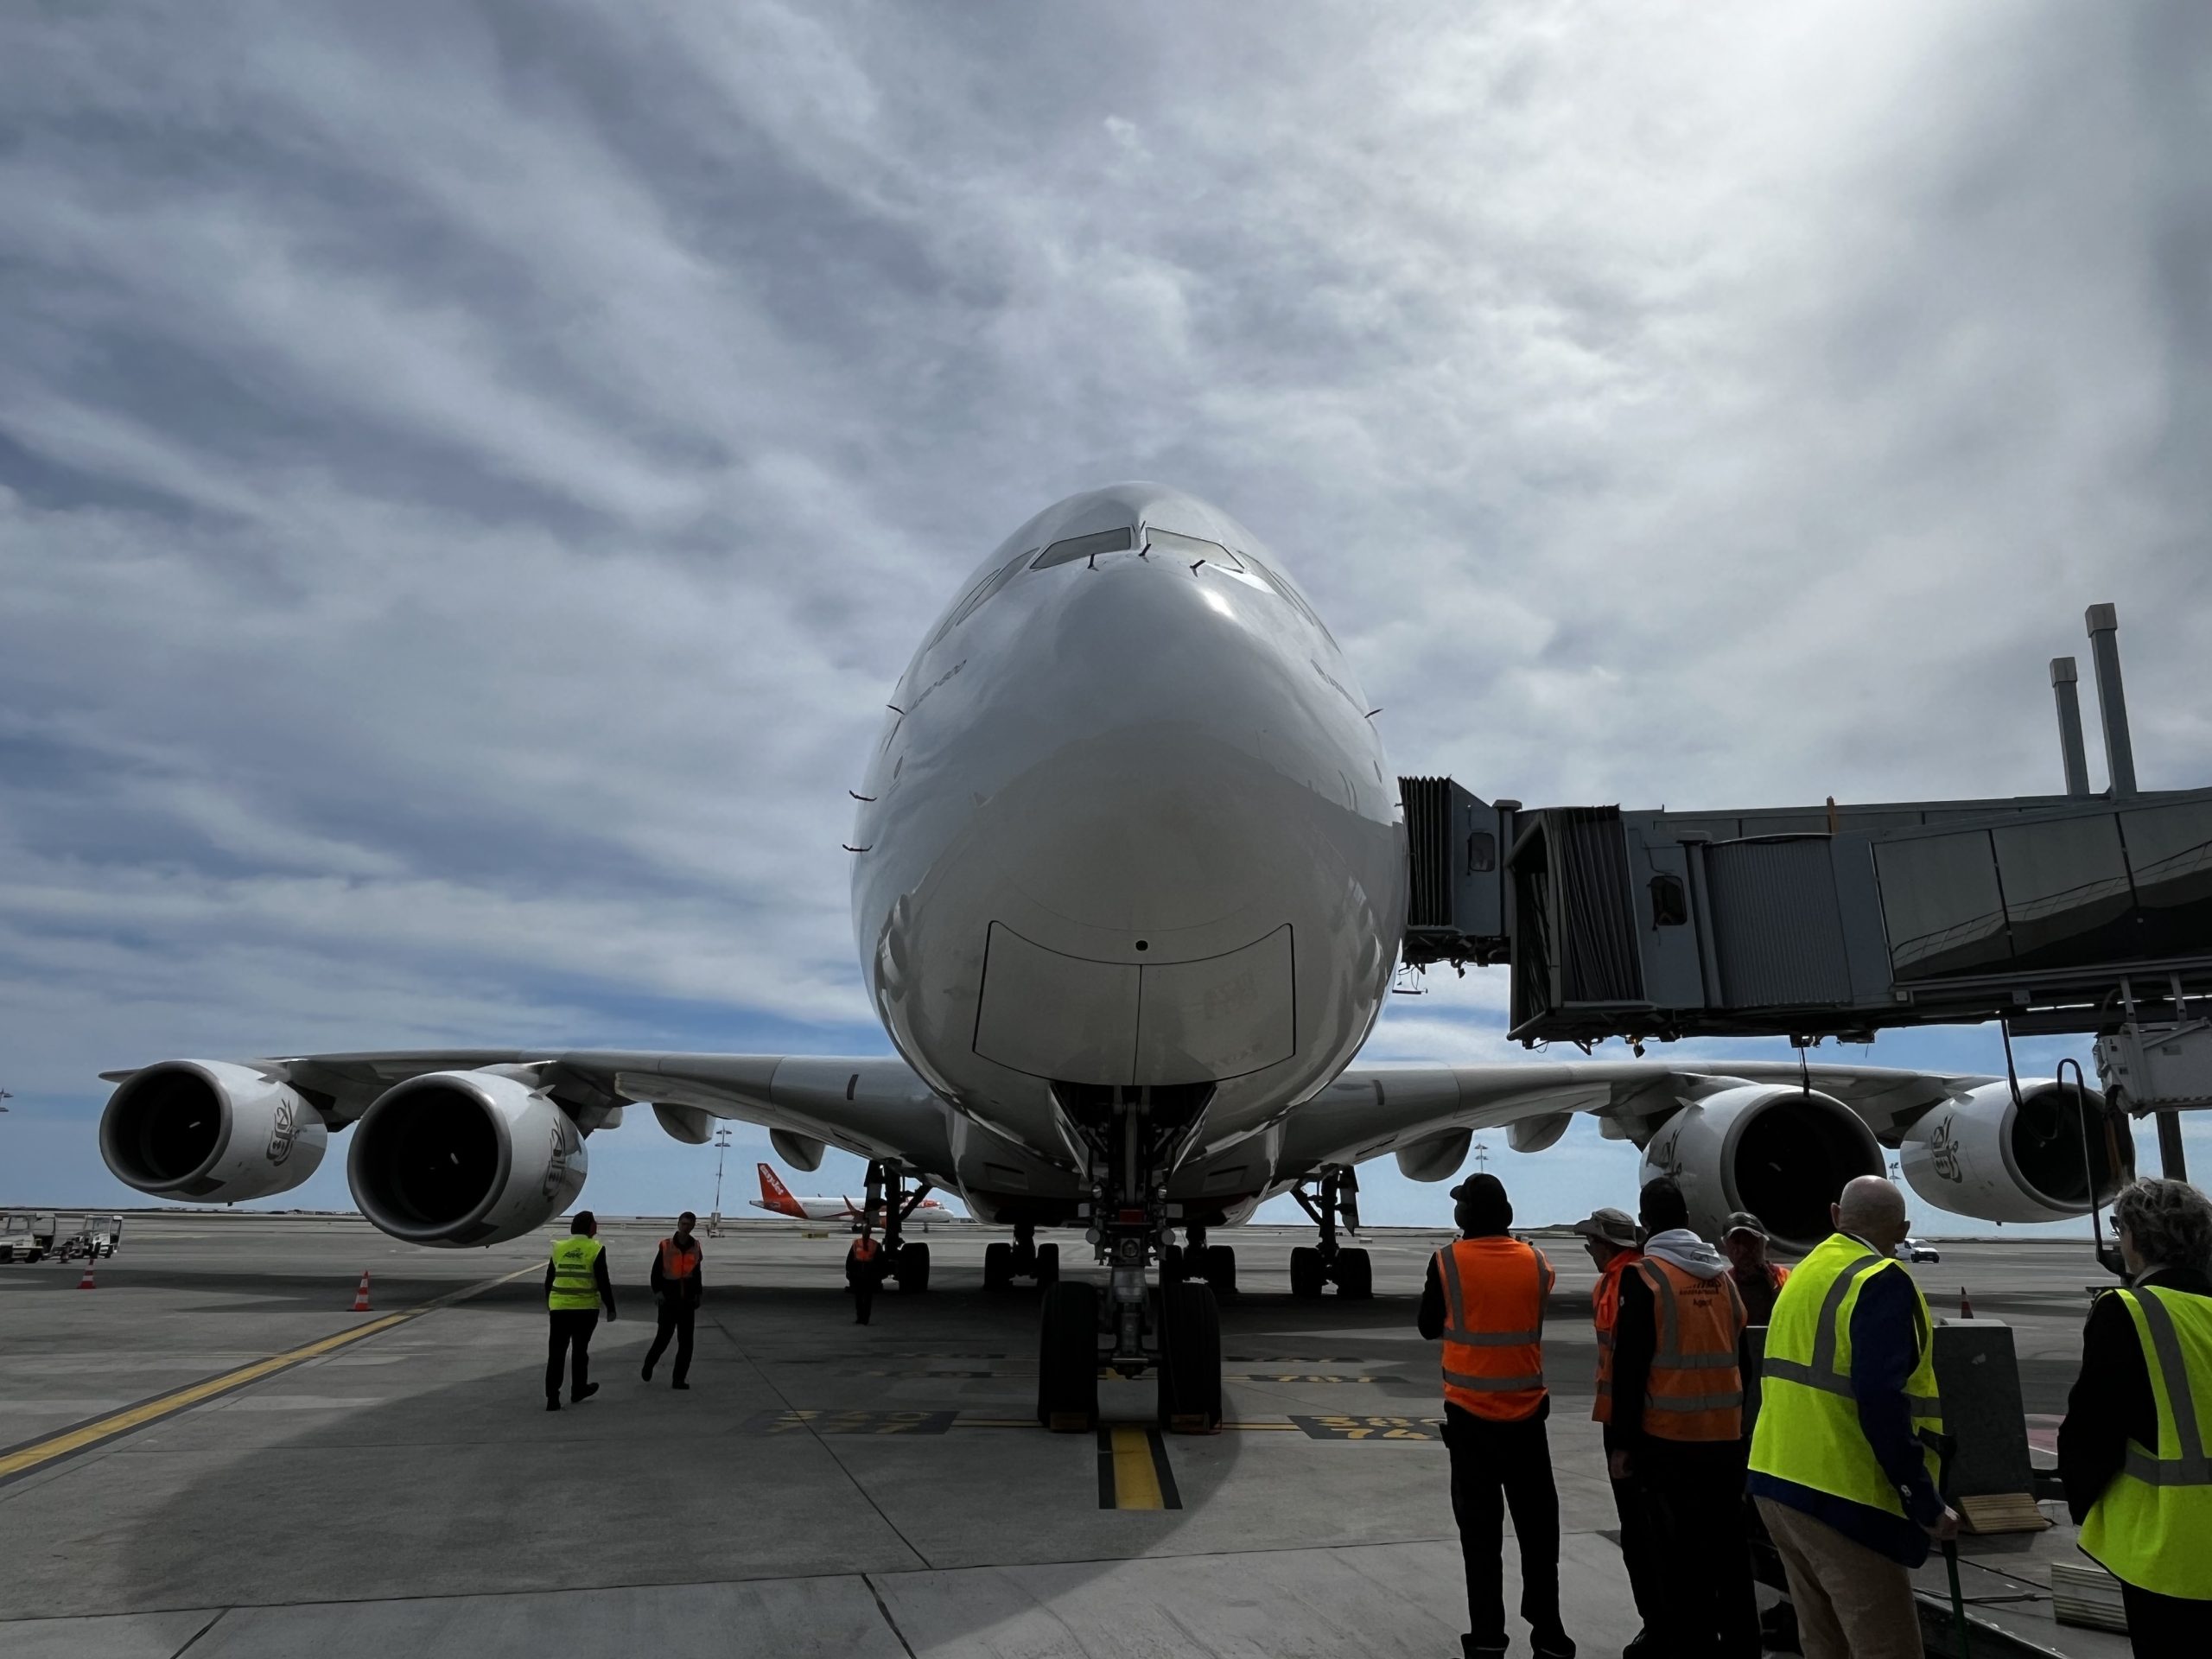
(1425, 1113)
(876, 1108)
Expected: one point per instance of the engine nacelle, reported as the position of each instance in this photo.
(1779, 1152)
(463, 1158)
(1981, 1155)
(211, 1130)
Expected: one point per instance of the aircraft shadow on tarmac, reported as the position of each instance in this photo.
(440, 1474)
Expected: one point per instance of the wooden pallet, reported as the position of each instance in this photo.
(2003, 1512)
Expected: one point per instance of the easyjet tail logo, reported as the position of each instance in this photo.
(774, 1195)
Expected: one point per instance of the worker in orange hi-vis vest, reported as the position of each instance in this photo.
(1484, 1302)
(1678, 1429)
(1615, 1245)
(863, 1273)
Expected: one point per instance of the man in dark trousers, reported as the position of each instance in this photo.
(1616, 1246)
(863, 1273)
(1484, 1302)
(1678, 1426)
(577, 1286)
(677, 1289)
(2133, 1450)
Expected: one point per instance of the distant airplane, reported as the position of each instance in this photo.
(777, 1200)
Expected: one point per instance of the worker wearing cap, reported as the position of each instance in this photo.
(1614, 1246)
(679, 1288)
(577, 1286)
(1759, 1281)
(1744, 1240)
(1842, 1463)
(1484, 1301)
(2135, 1450)
(1677, 1429)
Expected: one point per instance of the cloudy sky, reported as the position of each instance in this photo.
(469, 475)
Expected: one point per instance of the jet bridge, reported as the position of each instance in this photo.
(2054, 913)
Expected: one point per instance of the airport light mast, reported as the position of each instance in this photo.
(721, 1151)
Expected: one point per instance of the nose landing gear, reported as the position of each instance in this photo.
(1313, 1267)
(1133, 1135)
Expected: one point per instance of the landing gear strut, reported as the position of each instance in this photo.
(1133, 1136)
(887, 1197)
(1311, 1266)
(1025, 1258)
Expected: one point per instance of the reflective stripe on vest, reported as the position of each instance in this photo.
(1604, 1310)
(2149, 1526)
(1807, 1431)
(1493, 1358)
(1695, 1392)
(575, 1285)
(676, 1263)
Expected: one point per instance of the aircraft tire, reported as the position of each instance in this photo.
(1189, 1358)
(1048, 1265)
(998, 1266)
(1355, 1275)
(1307, 1273)
(914, 1267)
(1067, 1358)
(1221, 1269)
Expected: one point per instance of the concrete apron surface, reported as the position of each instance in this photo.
(821, 1489)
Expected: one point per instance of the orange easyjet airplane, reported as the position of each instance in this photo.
(777, 1200)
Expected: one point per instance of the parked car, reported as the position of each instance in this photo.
(1913, 1251)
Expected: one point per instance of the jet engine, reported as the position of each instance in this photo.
(209, 1129)
(1983, 1155)
(1782, 1152)
(462, 1158)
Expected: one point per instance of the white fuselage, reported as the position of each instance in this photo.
(1129, 824)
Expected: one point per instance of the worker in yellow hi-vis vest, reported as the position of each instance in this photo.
(577, 1286)
(1842, 1464)
(2135, 1450)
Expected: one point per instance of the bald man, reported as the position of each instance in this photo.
(1841, 1466)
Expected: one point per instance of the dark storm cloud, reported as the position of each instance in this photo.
(472, 474)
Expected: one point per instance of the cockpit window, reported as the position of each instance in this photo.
(1296, 599)
(979, 595)
(1190, 549)
(1083, 547)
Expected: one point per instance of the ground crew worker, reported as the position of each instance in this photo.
(863, 1273)
(1484, 1300)
(677, 1289)
(1744, 1240)
(2134, 1448)
(575, 1286)
(1612, 1238)
(1759, 1281)
(1678, 1429)
(1840, 1464)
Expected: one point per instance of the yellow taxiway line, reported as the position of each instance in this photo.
(34, 1454)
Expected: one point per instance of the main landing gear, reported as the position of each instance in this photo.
(1133, 1136)
(1025, 1258)
(887, 1197)
(1329, 1263)
(1196, 1259)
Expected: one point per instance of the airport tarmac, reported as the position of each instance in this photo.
(211, 1450)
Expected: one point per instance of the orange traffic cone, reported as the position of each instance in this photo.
(85, 1283)
(1966, 1304)
(361, 1296)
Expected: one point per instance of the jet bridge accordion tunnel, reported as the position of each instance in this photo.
(2060, 914)
(2054, 913)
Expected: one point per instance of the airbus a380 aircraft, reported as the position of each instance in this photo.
(1129, 880)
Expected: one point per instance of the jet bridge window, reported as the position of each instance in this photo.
(1083, 547)
(1192, 549)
